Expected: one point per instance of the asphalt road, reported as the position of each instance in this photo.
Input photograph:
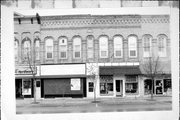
(82, 107)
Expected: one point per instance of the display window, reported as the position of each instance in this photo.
(26, 87)
(106, 85)
(131, 85)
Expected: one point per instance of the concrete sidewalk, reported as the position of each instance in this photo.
(83, 101)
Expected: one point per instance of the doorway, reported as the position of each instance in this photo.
(119, 88)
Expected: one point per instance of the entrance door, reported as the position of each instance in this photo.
(38, 89)
(119, 88)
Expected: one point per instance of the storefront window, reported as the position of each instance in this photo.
(147, 86)
(26, 87)
(167, 85)
(131, 85)
(106, 85)
(159, 87)
(91, 86)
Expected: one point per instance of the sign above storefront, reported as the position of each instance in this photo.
(69, 69)
(25, 71)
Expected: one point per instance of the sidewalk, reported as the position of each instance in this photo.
(82, 101)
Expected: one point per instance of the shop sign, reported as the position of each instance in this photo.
(75, 84)
(25, 71)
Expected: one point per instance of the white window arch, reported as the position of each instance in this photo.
(162, 40)
(103, 47)
(63, 48)
(132, 45)
(16, 44)
(118, 47)
(76, 47)
(49, 48)
(147, 45)
(37, 49)
(90, 46)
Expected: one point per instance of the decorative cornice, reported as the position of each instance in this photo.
(100, 21)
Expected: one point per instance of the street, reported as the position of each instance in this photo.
(79, 105)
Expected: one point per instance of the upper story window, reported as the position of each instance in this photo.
(90, 41)
(162, 39)
(49, 48)
(77, 47)
(16, 49)
(27, 48)
(63, 48)
(103, 47)
(37, 49)
(147, 45)
(132, 45)
(118, 47)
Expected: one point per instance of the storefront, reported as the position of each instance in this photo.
(115, 81)
(68, 80)
(24, 82)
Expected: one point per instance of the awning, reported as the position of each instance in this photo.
(119, 70)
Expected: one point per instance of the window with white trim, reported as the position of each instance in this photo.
(16, 49)
(63, 48)
(103, 47)
(147, 45)
(162, 39)
(27, 49)
(49, 48)
(90, 41)
(37, 49)
(132, 45)
(118, 47)
(77, 47)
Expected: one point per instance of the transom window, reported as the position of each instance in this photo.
(132, 45)
(162, 39)
(147, 42)
(49, 48)
(63, 48)
(90, 41)
(77, 47)
(118, 47)
(103, 47)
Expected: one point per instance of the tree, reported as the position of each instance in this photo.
(29, 58)
(152, 68)
(92, 72)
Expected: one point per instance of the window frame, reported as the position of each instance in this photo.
(116, 46)
(147, 53)
(16, 49)
(46, 51)
(105, 47)
(134, 48)
(90, 47)
(61, 44)
(77, 44)
(37, 51)
(160, 53)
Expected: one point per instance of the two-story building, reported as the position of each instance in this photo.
(75, 53)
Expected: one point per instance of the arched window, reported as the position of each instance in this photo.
(162, 39)
(27, 49)
(90, 45)
(132, 45)
(49, 48)
(103, 47)
(37, 49)
(77, 47)
(63, 48)
(118, 47)
(16, 49)
(147, 45)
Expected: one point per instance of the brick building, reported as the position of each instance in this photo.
(69, 49)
